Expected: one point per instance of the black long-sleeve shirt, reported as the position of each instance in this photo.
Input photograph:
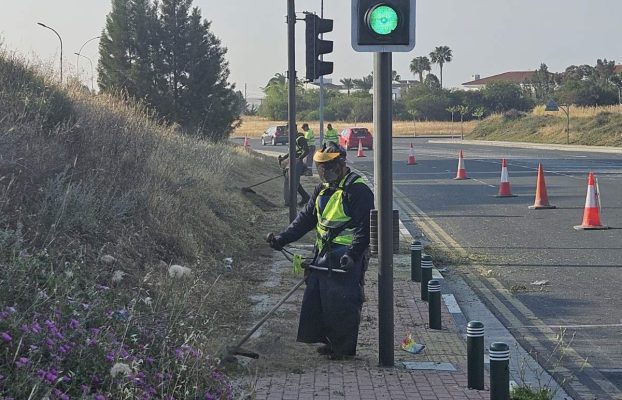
(359, 201)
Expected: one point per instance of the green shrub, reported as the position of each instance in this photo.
(526, 393)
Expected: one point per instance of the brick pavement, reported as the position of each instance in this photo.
(361, 378)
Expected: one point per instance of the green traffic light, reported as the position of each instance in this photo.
(383, 20)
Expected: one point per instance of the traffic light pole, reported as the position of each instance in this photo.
(291, 107)
(383, 172)
(321, 84)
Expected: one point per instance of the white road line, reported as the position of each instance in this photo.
(567, 326)
(452, 304)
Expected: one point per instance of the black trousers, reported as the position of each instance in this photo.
(331, 309)
(300, 166)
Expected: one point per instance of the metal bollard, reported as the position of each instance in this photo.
(499, 354)
(434, 304)
(415, 261)
(426, 275)
(475, 355)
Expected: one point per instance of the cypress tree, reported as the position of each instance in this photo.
(114, 49)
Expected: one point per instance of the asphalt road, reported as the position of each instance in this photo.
(519, 246)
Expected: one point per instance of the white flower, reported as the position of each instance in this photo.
(147, 301)
(177, 271)
(117, 276)
(108, 259)
(120, 368)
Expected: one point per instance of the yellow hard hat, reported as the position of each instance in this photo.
(330, 152)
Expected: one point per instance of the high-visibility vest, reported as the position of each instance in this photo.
(310, 136)
(331, 136)
(332, 220)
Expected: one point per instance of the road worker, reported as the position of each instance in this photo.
(330, 135)
(311, 142)
(339, 212)
(302, 150)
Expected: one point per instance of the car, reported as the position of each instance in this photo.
(275, 135)
(349, 138)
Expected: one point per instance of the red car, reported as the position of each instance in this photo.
(349, 138)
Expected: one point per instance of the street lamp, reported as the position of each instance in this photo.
(61, 48)
(92, 71)
(79, 53)
(553, 106)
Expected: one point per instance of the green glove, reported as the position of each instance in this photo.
(297, 264)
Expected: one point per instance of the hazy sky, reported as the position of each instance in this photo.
(487, 36)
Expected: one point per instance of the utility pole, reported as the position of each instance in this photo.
(61, 47)
(291, 107)
(321, 84)
(383, 173)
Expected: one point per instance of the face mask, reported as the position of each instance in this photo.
(329, 172)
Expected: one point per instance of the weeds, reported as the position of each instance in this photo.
(98, 200)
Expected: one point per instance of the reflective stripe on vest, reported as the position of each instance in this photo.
(334, 216)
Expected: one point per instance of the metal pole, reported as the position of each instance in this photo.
(415, 261)
(79, 53)
(383, 173)
(321, 84)
(61, 48)
(475, 355)
(499, 354)
(426, 275)
(92, 70)
(291, 109)
(434, 304)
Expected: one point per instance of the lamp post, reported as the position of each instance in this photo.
(92, 71)
(61, 48)
(553, 106)
(79, 53)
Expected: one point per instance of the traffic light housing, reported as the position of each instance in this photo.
(316, 46)
(383, 25)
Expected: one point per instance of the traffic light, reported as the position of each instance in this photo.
(316, 47)
(383, 25)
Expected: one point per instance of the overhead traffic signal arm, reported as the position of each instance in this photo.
(317, 47)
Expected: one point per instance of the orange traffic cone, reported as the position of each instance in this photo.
(461, 175)
(591, 214)
(411, 156)
(505, 190)
(542, 198)
(360, 152)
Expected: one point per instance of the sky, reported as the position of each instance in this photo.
(487, 37)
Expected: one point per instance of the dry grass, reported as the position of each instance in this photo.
(255, 126)
(82, 176)
(579, 112)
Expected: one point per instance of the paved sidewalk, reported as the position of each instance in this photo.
(361, 378)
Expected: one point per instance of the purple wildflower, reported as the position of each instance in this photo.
(11, 310)
(99, 396)
(74, 324)
(3, 315)
(35, 327)
(5, 337)
(22, 362)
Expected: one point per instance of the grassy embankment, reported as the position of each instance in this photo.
(595, 126)
(113, 231)
(255, 126)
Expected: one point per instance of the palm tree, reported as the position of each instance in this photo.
(396, 76)
(440, 56)
(348, 84)
(277, 79)
(365, 84)
(419, 65)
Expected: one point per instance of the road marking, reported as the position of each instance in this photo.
(569, 326)
(452, 304)
(440, 237)
(483, 183)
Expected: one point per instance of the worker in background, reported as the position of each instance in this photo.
(311, 142)
(339, 212)
(302, 150)
(330, 135)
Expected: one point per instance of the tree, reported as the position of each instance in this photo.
(365, 84)
(542, 83)
(419, 65)
(504, 96)
(115, 49)
(479, 112)
(440, 56)
(348, 84)
(277, 79)
(395, 76)
(432, 82)
(168, 58)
